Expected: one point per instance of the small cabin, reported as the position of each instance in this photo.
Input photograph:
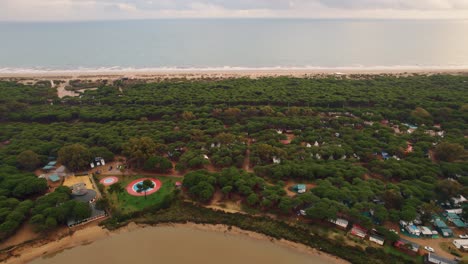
(358, 231)
(300, 188)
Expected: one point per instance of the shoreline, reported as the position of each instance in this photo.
(87, 235)
(227, 73)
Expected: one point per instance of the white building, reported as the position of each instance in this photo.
(276, 160)
(340, 222)
(459, 200)
(454, 211)
(431, 258)
(412, 229)
(377, 239)
(461, 244)
(425, 230)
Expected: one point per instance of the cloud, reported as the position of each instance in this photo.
(24, 10)
(397, 4)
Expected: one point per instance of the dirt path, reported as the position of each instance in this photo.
(246, 163)
(432, 156)
(61, 92)
(290, 138)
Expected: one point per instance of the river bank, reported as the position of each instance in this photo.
(93, 233)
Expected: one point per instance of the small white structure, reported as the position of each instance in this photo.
(316, 144)
(461, 244)
(454, 211)
(412, 229)
(340, 222)
(432, 258)
(377, 239)
(206, 157)
(425, 231)
(279, 131)
(308, 145)
(276, 160)
(98, 161)
(318, 156)
(459, 200)
(61, 171)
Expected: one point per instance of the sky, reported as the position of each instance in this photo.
(83, 10)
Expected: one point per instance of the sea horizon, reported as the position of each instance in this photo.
(233, 44)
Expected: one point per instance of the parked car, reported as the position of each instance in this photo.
(429, 249)
(464, 236)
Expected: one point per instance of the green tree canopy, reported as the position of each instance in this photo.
(138, 150)
(158, 164)
(75, 157)
(28, 160)
(145, 186)
(449, 151)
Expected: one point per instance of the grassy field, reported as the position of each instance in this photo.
(394, 251)
(126, 203)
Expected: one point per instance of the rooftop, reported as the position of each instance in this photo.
(87, 197)
(95, 213)
(438, 259)
(54, 178)
(439, 223)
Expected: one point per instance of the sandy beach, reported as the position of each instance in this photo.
(91, 233)
(229, 73)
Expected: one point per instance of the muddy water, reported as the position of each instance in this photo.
(181, 245)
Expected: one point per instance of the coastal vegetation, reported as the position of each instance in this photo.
(372, 149)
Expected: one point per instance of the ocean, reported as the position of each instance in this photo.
(232, 44)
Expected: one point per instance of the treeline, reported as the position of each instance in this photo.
(443, 97)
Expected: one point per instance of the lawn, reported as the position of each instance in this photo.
(393, 251)
(126, 203)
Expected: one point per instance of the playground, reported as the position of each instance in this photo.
(107, 181)
(132, 188)
(72, 180)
